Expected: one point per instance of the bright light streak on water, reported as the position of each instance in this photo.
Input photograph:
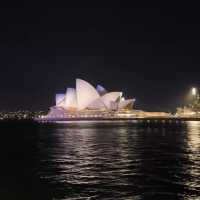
(90, 160)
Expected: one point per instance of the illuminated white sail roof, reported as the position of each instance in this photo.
(126, 104)
(59, 98)
(97, 105)
(70, 99)
(86, 94)
(61, 103)
(110, 97)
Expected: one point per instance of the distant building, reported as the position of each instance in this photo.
(186, 112)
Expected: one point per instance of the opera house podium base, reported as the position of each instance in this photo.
(85, 116)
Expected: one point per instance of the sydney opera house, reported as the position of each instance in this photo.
(86, 101)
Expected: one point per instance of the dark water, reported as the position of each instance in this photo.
(120, 160)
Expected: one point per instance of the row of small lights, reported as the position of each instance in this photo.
(74, 116)
(85, 116)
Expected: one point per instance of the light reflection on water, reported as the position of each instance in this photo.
(122, 160)
(193, 140)
(90, 160)
(193, 128)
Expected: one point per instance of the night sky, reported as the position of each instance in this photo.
(151, 52)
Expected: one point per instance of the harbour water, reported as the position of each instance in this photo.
(100, 160)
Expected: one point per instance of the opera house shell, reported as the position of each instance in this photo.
(86, 98)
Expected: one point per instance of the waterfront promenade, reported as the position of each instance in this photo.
(140, 119)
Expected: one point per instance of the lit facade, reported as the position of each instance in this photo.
(86, 100)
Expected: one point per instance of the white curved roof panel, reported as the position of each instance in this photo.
(70, 98)
(110, 97)
(126, 103)
(59, 98)
(86, 94)
(97, 105)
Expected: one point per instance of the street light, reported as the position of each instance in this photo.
(194, 91)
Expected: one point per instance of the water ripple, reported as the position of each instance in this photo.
(124, 161)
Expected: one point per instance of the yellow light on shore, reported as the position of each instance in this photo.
(194, 91)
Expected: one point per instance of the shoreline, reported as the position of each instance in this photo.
(133, 119)
(152, 119)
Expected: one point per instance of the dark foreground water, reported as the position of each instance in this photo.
(120, 160)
